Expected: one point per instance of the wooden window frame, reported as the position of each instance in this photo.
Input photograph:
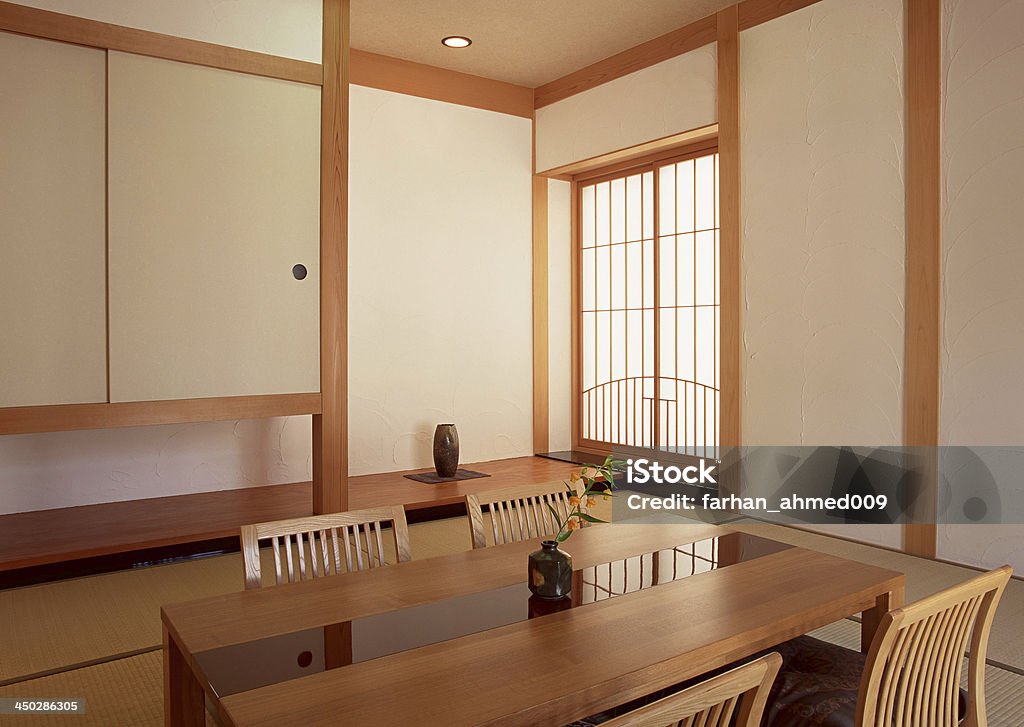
(649, 162)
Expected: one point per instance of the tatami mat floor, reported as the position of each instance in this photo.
(98, 638)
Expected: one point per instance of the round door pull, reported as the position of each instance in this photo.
(299, 271)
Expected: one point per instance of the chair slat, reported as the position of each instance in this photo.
(380, 542)
(277, 558)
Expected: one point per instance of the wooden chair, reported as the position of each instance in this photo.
(740, 692)
(324, 538)
(911, 674)
(517, 513)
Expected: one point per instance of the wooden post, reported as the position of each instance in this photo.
(330, 428)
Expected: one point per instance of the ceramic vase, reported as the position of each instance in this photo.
(446, 450)
(550, 571)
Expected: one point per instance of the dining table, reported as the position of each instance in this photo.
(460, 640)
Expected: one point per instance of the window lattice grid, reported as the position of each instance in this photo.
(650, 308)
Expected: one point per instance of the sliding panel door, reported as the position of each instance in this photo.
(649, 315)
(214, 199)
(52, 227)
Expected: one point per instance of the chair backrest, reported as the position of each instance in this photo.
(740, 692)
(518, 513)
(331, 543)
(912, 674)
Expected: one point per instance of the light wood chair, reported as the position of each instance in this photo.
(324, 539)
(517, 513)
(911, 675)
(740, 692)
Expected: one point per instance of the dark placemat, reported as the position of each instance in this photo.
(432, 478)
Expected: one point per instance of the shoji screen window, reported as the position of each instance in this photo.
(649, 307)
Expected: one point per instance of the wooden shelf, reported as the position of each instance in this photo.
(54, 536)
(70, 417)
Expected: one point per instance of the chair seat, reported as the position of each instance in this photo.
(818, 686)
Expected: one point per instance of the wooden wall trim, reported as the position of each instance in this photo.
(662, 48)
(440, 84)
(923, 264)
(755, 12)
(731, 280)
(70, 417)
(541, 423)
(80, 31)
(575, 324)
(330, 428)
(634, 155)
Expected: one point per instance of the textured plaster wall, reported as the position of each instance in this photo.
(823, 225)
(983, 258)
(440, 281)
(823, 229)
(290, 28)
(559, 315)
(667, 98)
(44, 471)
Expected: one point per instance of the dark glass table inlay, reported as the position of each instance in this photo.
(255, 664)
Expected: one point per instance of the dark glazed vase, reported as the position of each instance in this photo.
(550, 571)
(446, 450)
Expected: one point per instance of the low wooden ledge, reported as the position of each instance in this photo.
(45, 537)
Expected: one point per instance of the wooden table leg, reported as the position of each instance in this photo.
(338, 645)
(184, 703)
(871, 618)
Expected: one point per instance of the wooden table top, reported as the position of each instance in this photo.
(242, 616)
(610, 652)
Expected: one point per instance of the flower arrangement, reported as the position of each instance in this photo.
(579, 502)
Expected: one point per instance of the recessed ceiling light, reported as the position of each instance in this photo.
(456, 41)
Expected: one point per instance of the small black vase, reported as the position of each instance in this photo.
(446, 450)
(550, 571)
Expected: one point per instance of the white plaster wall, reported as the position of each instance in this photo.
(823, 229)
(290, 28)
(559, 315)
(983, 294)
(823, 225)
(667, 98)
(44, 471)
(440, 322)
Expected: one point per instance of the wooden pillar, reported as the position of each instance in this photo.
(540, 315)
(330, 428)
(731, 279)
(923, 262)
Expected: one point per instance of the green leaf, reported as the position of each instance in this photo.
(589, 518)
(554, 514)
(563, 536)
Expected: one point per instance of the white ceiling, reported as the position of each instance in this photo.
(528, 42)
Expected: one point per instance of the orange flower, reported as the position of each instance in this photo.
(575, 477)
(574, 501)
(591, 501)
(572, 524)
